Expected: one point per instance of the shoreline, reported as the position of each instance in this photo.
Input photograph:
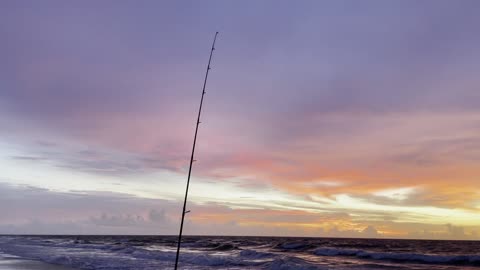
(11, 262)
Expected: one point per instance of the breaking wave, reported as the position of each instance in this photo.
(403, 257)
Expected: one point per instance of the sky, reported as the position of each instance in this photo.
(321, 118)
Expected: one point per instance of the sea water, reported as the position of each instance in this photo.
(222, 252)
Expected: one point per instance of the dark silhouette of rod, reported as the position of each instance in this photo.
(193, 152)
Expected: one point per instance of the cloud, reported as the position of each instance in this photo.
(157, 216)
(100, 161)
(121, 221)
(446, 232)
(32, 203)
(455, 232)
(339, 103)
(396, 193)
(43, 211)
(370, 232)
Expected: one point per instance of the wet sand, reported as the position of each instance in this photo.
(9, 262)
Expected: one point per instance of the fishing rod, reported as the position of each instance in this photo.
(193, 151)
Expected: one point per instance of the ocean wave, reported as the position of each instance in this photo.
(201, 253)
(90, 256)
(225, 247)
(294, 246)
(255, 255)
(405, 257)
(292, 264)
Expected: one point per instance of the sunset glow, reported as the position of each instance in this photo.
(319, 120)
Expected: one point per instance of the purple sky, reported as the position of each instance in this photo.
(309, 103)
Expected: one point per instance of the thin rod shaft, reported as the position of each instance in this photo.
(193, 151)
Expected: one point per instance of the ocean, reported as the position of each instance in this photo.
(222, 252)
